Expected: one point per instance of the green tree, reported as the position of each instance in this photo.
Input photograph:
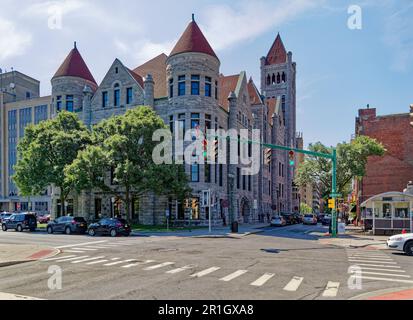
(351, 163)
(45, 151)
(305, 208)
(123, 145)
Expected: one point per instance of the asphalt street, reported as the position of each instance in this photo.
(278, 263)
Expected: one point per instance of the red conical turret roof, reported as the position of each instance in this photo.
(74, 66)
(277, 53)
(193, 40)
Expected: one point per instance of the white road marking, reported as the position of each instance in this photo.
(234, 275)
(377, 265)
(80, 244)
(85, 249)
(368, 258)
(138, 264)
(71, 259)
(387, 279)
(262, 280)
(58, 258)
(294, 284)
(386, 274)
(87, 259)
(331, 289)
(381, 269)
(118, 262)
(373, 261)
(74, 251)
(205, 272)
(158, 266)
(174, 271)
(96, 262)
(96, 247)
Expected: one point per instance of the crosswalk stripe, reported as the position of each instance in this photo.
(74, 251)
(369, 258)
(84, 249)
(234, 275)
(137, 264)
(378, 261)
(294, 284)
(262, 280)
(376, 265)
(381, 269)
(158, 266)
(205, 272)
(58, 258)
(174, 271)
(331, 289)
(118, 262)
(80, 244)
(97, 247)
(71, 259)
(87, 259)
(96, 262)
(386, 274)
(387, 279)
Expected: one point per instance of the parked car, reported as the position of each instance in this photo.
(44, 218)
(5, 216)
(20, 222)
(310, 219)
(289, 218)
(67, 225)
(326, 220)
(278, 221)
(110, 226)
(298, 218)
(320, 217)
(402, 242)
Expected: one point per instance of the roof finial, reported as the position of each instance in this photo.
(193, 17)
(75, 45)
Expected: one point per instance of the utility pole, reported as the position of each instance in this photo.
(334, 195)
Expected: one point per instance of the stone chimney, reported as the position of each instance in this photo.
(149, 88)
(409, 189)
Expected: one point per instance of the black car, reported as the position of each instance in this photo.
(289, 218)
(20, 222)
(110, 226)
(5, 216)
(67, 225)
(326, 221)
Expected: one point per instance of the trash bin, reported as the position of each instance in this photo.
(234, 227)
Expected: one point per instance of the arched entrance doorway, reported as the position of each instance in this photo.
(245, 210)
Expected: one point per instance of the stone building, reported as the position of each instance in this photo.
(189, 92)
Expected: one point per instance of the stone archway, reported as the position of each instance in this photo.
(245, 210)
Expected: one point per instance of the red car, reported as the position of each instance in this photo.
(44, 219)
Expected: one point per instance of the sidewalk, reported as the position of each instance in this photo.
(217, 232)
(11, 254)
(352, 240)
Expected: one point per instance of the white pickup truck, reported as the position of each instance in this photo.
(402, 242)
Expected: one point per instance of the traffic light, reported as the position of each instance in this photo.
(205, 146)
(331, 204)
(291, 157)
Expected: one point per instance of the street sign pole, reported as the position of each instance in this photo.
(209, 210)
(334, 195)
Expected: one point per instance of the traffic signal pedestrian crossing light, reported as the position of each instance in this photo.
(331, 204)
(291, 157)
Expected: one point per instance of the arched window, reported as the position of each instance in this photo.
(268, 80)
(278, 78)
(273, 78)
(284, 77)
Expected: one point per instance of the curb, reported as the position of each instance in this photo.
(34, 257)
(380, 293)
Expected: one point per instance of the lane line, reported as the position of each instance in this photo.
(294, 284)
(174, 271)
(96, 262)
(387, 279)
(204, 272)
(118, 262)
(234, 275)
(138, 264)
(331, 289)
(378, 261)
(52, 259)
(385, 274)
(71, 259)
(87, 259)
(158, 266)
(80, 244)
(262, 280)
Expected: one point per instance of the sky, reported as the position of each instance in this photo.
(339, 68)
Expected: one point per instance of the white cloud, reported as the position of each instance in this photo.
(42, 8)
(227, 26)
(13, 42)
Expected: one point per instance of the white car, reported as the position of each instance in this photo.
(310, 219)
(402, 242)
(278, 222)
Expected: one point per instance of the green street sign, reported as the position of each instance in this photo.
(336, 195)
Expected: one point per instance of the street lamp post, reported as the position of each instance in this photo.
(231, 178)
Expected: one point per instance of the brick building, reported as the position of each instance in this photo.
(395, 169)
(188, 91)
